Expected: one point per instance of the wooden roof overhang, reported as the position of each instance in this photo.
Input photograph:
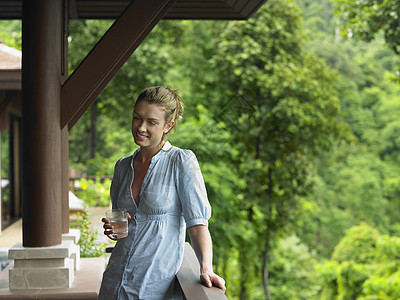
(181, 9)
(52, 101)
(134, 20)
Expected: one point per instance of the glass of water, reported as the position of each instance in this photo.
(119, 219)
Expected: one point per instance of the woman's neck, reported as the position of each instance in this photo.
(146, 154)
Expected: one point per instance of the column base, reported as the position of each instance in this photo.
(42, 267)
(86, 284)
(74, 235)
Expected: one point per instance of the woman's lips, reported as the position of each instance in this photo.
(141, 136)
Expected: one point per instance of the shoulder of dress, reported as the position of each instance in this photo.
(185, 157)
(180, 155)
(124, 161)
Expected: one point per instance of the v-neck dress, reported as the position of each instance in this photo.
(173, 197)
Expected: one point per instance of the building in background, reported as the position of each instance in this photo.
(10, 135)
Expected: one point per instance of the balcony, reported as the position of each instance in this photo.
(87, 279)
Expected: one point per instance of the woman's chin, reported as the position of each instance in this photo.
(140, 142)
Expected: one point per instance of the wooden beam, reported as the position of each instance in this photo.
(107, 57)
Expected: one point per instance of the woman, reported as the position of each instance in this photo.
(163, 190)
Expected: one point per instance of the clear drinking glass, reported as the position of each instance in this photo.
(119, 219)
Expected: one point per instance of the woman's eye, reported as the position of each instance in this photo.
(153, 123)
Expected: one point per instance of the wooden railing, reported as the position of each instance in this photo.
(189, 278)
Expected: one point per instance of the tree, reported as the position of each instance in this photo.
(358, 180)
(369, 18)
(282, 111)
(11, 34)
(293, 270)
(364, 265)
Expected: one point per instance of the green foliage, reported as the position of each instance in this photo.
(94, 192)
(385, 281)
(329, 278)
(368, 18)
(10, 33)
(87, 241)
(386, 287)
(317, 17)
(357, 244)
(5, 153)
(283, 110)
(364, 265)
(351, 277)
(357, 180)
(111, 146)
(293, 275)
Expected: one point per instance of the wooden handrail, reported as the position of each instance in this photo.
(189, 278)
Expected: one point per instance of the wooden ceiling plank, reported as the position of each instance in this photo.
(202, 10)
(199, 4)
(107, 57)
(225, 16)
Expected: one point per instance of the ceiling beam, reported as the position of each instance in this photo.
(108, 56)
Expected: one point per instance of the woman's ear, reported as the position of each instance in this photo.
(168, 127)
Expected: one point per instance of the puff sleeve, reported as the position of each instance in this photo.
(191, 189)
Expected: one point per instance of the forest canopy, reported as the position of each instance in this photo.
(294, 117)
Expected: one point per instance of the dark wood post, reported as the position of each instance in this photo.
(65, 180)
(64, 131)
(41, 149)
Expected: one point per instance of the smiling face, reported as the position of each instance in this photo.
(148, 125)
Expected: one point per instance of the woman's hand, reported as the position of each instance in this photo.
(210, 279)
(109, 229)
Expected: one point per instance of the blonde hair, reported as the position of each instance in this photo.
(165, 97)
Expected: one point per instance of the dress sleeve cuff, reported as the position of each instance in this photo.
(193, 222)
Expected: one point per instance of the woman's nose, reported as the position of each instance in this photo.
(142, 127)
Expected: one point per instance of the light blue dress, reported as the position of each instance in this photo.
(172, 198)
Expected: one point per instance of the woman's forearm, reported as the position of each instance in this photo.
(202, 245)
